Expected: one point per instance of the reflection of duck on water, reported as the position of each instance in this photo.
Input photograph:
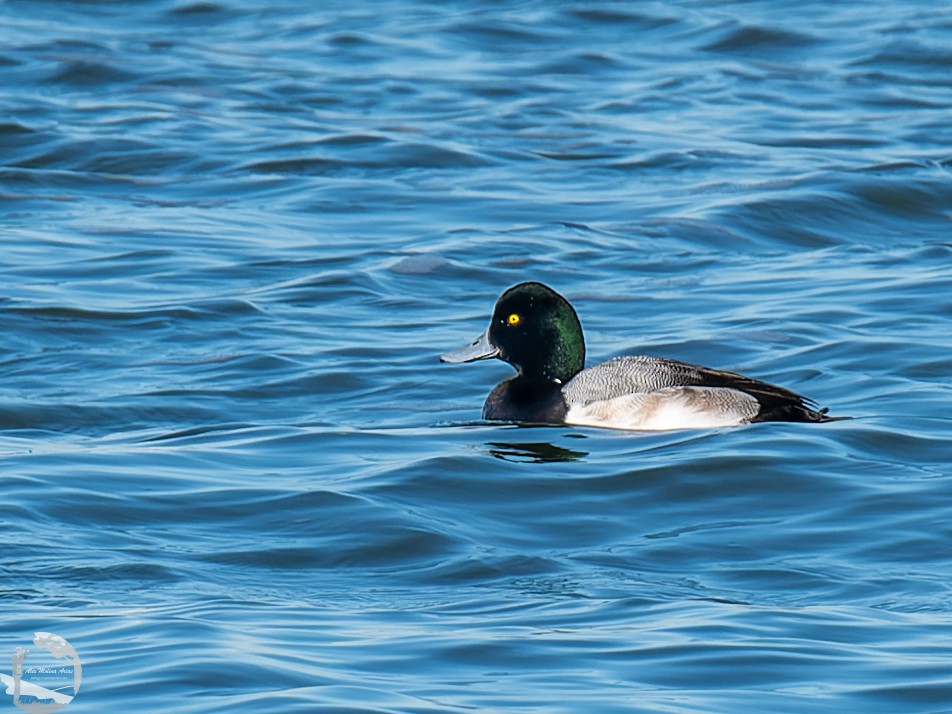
(540, 452)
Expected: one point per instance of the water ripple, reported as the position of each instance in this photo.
(238, 236)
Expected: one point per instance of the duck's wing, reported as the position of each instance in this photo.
(640, 374)
(637, 374)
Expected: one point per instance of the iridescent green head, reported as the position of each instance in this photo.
(535, 330)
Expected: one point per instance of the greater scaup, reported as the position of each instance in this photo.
(536, 330)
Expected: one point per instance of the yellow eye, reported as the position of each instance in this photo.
(514, 319)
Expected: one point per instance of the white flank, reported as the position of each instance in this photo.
(666, 409)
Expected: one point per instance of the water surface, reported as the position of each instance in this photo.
(237, 236)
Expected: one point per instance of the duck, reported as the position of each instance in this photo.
(537, 331)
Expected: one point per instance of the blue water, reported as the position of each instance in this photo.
(237, 235)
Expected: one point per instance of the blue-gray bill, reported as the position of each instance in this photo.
(481, 348)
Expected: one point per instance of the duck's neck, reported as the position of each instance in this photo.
(557, 369)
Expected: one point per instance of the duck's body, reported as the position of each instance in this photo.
(536, 330)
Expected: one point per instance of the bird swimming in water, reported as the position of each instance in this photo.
(537, 331)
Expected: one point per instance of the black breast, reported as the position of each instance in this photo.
(519, 399)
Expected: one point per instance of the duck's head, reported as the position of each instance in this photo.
(535, 330)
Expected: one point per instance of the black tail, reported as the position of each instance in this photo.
(794, 412)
